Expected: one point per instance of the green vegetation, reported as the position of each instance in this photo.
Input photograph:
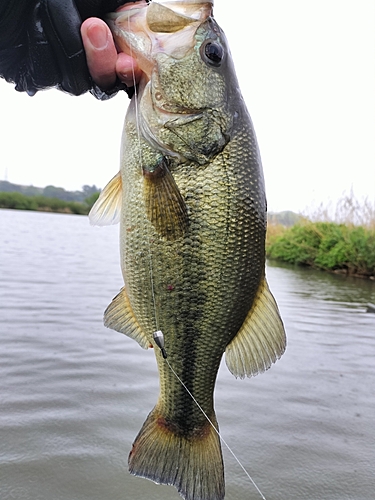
(42, 203)
(346, 245)
(50, 191)
(90, 200)
(48, 199)
(328, 246)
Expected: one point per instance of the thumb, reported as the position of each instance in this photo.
(100, 51)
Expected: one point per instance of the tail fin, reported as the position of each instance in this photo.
(194, 465)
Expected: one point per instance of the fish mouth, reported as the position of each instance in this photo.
(190, 8)
(197, 9)
(145, 28)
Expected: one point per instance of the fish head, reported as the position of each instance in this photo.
(141, 29)
(185, 98)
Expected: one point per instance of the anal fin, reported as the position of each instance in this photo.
(260, 341)
(120, 317)
(165, 206)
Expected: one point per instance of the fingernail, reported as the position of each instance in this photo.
(98, 36)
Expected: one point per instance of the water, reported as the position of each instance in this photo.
(74, 394)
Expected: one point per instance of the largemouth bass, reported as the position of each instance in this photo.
(191, 204)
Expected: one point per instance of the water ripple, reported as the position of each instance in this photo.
(74, 394)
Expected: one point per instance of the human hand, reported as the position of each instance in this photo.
(42, 47)
(104, 63)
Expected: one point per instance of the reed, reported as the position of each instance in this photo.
(349, 210)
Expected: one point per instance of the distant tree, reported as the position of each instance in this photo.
(55, 192)
(31, 190)
(90, 200)
(7, 187)
(51, 191)
(89, 190)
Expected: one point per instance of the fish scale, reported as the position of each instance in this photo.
(192, 241)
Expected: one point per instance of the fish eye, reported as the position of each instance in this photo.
(212, 53)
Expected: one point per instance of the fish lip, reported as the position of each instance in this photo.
(197, 9)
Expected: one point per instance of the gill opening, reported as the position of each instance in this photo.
(158, 334)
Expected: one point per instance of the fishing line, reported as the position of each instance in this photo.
(215, 429)
(158, 335)
(137, 120)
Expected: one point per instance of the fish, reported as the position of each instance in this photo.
(190, 201)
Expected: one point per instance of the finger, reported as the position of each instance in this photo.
(100, 51)
(127, 69)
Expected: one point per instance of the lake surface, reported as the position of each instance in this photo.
(74, 394)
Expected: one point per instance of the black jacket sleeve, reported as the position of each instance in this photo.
(41, 45)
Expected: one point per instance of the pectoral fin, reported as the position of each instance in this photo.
(261, 339)
(107, 208)
(120, 317)
(165, 206)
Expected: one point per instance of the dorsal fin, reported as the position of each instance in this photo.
(107, 208)
(260, 341)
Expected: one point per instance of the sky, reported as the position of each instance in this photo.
(306, 69)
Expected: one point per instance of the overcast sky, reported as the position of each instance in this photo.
(306, 70)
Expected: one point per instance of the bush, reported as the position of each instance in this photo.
(298, 245)
(22, 202)
(90, 200)
(328, 246)
(17, 201)
(274, 232)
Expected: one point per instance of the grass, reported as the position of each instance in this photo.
(338, 239)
